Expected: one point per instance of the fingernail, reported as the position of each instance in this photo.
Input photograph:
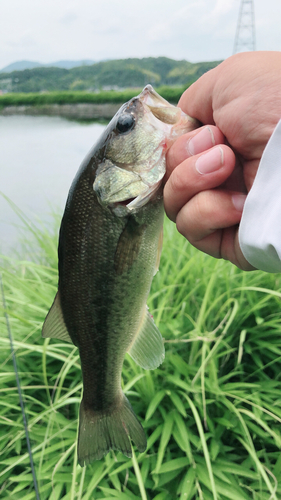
(238, 201)
(211, 161)
(200, 142)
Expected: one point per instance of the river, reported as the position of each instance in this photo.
(39, 157)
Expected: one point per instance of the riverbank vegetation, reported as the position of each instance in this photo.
(114, 74)
(172, 94)
(211, 411)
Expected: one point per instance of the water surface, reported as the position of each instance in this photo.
(39, 157)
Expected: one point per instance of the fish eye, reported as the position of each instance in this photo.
(125, 122)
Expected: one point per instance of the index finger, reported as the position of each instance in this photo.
(187, 179)
(191, 144)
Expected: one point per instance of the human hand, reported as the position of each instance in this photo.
(210, 170)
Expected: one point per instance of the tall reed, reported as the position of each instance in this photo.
(211, 411)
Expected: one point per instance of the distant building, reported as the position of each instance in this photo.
(6, 85)
(112, 87)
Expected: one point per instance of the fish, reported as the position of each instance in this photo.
(109, 249)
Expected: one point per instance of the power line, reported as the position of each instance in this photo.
(245, 37)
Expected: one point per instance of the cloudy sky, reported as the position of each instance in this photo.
(196, 30)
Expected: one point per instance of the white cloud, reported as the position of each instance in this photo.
(159, 32)
(223, 7)
(103, 29)
(68, 18)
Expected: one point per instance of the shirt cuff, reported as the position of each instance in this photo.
(260, 226)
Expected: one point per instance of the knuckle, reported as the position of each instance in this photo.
(197, 211)
(191, 219)
(182, 227)
(177, 181)
(184, 224)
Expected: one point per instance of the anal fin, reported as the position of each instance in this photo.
(148, 347)
(54, 325)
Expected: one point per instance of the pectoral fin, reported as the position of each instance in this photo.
(148, 348)
(159, 250)
(54, 325)
(128, 246)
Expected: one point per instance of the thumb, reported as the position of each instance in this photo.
(197, 100)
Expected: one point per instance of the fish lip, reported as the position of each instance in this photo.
(152, 104)
(151, 99)
(148, 93)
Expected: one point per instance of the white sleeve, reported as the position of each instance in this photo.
(260, 226)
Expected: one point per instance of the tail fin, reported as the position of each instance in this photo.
(100, 432)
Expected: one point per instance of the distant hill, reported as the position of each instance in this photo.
(115, 74)
(70, 64)
(22, 65)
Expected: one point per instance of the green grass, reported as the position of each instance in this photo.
(211, 411)
(172, 94)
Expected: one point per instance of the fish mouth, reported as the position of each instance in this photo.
(170, 118)
(161, 109)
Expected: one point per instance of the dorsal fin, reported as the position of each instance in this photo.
(54, 325)
(148, 347)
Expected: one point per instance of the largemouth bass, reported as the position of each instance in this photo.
(109, 249)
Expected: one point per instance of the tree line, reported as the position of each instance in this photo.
(106, 75)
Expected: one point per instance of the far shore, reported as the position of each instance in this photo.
(77, 111)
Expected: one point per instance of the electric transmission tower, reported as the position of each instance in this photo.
(245, 38)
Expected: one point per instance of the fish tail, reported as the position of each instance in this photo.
(101, 431)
